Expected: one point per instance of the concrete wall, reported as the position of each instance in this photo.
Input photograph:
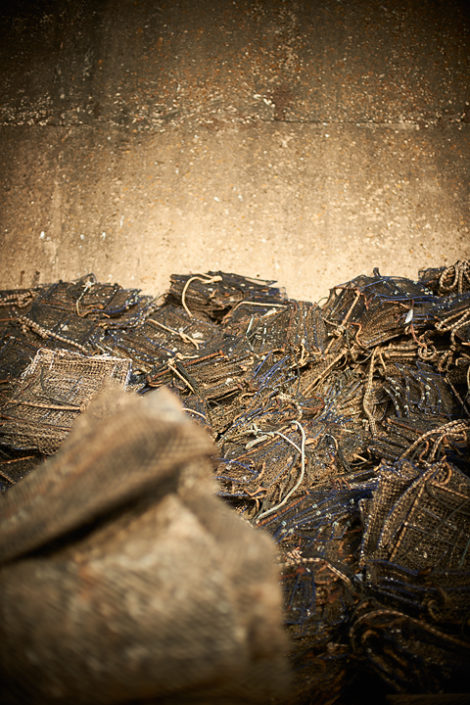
(301, 141)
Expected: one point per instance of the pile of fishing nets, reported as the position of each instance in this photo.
(341, 430)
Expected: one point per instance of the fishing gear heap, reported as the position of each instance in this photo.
(342, 430)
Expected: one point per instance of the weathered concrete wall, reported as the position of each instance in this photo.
(301, 141)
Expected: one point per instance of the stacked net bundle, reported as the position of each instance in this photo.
(51, 392)
(167, 333)
(419, 518)
(108, 304)
(76, 316)
(342, 430)
(217, 294)
(412, 626)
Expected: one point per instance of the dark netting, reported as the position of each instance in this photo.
(109, 304)
(377, 309)
(440, 597)
(165, 333)
(415, 388)
(15, 465)
(342, 430)
(17, 345)
(17, 348)
(297, 327)
(53, 390)
(60, 328)
(408, 653)
(419, 518)
(215, 375)
(216, 294)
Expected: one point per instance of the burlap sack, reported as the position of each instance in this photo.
(125, 579)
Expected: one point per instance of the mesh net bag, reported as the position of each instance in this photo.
(52, 391)
(413, 628)
(420, 518)
(217, 294)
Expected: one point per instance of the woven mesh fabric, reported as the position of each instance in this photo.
(216, 294)
(417, 565)
(420, 519)
(412, 656)
(51, 392)
(15, 465)
(149, 588)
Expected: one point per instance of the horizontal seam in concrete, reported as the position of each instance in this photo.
(403, 126)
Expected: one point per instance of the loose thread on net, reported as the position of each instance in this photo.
(262, 304)
(88, 285)
(368, 396)
(184, 336)
(405, 618)
(193, 411)
(19, 299)
(171, 366)
(197, 277)
(49, 407)
(300, 450)
(324, 372)
(456, 426)
(7, 477)
(45, 333)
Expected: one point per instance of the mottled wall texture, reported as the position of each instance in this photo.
(301, 141)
